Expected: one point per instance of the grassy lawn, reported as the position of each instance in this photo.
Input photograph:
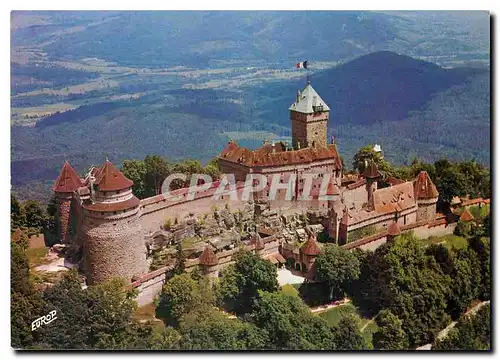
(334, 315)
(449, 241)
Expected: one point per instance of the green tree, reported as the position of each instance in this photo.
(98, 316)
(449, 181)
(481, 246)
(25, 302)
(363, 155)
(181, 295)
(337, 268)
(17, 214)
(239, 286)
(466, 285)
(390, 334)
(347, 334)
(471, 333)
(400, 276)
(36, 217)
(136, 171)
(210, 329)
(290, 324)
(213, 169)
(156, 171)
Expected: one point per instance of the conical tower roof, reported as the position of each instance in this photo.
(466, 215)
(394, 229)
(68, 180)
(109, 178)
(309, 99)
(424, 188)
(332, 189)
(311, 247)
(208, 257)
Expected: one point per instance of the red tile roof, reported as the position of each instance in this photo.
(394, 181)
(357, 184)
(263, 157)
(469, 202)
(466, 215)
(311, 247)
(332, 189)
(208, 257)
(109, 178)
(424, 187)
(394, 198)
(68, 180)
(393, 229)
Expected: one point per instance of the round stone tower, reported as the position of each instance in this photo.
(371, 175)
(209, 263)
(66, 183)
(259, 245)
(392, 231)
(309, 251)
(426, 196)
(113, 240)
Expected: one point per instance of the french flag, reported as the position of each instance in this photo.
(302, 65)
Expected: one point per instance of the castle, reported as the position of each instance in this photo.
(101, 215)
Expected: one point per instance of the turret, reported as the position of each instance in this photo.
(258, 243)
(66, 183)
(466, 216)
(113, 240)
(209, 262)
(426, 196)
(309, 251)
(371, 175)
(309, 117)
(344, 228)
(392, 231)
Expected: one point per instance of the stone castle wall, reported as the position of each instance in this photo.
(426, 209)
(309, 128)
(114, 248)
(355, 197)
(155, 211)
(63, 203)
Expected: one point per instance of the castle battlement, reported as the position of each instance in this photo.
(103, 216)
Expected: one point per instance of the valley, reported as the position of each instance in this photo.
(72, 98)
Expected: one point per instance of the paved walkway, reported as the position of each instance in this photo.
(285, 276)
(330, 306)
(443, 333)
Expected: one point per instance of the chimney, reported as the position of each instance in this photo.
(299, 95)
(333, 140)
(274, 147)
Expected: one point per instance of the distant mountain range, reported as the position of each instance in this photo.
(207, 38)
(410, 107)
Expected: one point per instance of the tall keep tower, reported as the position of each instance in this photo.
(309, 116)
(113, 241)
(64, 186)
